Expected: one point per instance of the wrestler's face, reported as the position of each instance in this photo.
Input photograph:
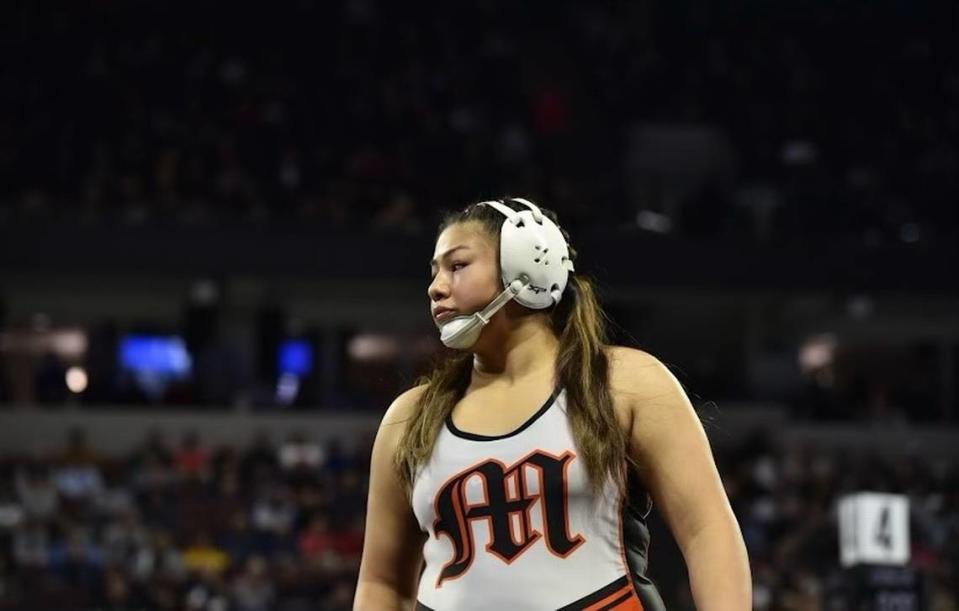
(465, 272)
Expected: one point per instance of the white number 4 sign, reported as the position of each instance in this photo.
(874, 529)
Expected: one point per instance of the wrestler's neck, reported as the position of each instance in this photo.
(515, 351)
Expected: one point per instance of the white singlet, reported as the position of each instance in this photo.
(514, 525)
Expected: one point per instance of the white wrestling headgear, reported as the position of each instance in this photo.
(534, 258)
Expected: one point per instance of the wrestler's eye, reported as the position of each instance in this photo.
(457, 266)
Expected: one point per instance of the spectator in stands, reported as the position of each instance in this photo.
(260, 458)
(78, 477)
(159, 560)
(118, 594)
(30, 545)
(36, 491)
(122, 537)
(273, 518)
(316, 543)
(204, 557)
(191, 459)
(301, 454)
(252, 589)
(77, 558)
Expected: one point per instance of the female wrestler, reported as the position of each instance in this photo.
(519, 473)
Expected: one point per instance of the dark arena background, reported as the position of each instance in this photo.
(216, 222)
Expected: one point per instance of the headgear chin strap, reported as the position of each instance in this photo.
(535, 261)
(463, 331)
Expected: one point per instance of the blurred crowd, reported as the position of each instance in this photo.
(280, 526)
(818, 121)
(186, 527)
(785, 498)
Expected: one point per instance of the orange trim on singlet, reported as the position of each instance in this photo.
(623, 599)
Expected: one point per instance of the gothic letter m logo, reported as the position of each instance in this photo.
(506, 506)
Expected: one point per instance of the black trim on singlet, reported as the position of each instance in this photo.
(477, 437)
(600, 594)
(636, 543)
(421, 607)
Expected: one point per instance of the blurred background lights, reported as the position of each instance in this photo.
(287, 388)
(817, 352)
(77, 380)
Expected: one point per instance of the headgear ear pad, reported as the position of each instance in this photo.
(535, 263)
(532, 245)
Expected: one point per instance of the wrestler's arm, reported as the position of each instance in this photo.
(393, 542)
(676, 464)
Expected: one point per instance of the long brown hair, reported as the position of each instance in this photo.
(582, 369)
